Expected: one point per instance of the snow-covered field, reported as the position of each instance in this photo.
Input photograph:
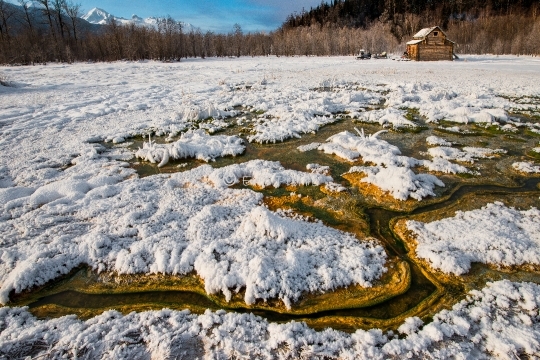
(67, 200)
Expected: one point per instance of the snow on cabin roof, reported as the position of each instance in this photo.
(426, 31)
(413, 42)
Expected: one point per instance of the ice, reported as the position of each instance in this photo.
(494, 234)
(499, 321)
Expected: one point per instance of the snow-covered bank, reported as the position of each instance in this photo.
(500, 321)
(494, 234)
(192, 144)
(159, 224)
(391, 171)
(526, 167)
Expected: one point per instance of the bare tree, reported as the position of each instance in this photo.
(58, 7)
(237, 33)
(6, 12)
(46, 9)
(25, 4)
(74, 12)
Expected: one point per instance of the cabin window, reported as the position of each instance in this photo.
(436, 33)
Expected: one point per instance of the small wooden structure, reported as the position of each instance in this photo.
(430, 44)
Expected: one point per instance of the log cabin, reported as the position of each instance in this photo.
(430, 44)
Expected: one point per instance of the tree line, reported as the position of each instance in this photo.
(54, 32)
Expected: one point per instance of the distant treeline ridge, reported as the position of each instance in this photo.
(54, 32)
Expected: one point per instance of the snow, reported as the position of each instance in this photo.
(467, 154)
(192, 144)
(309, 147)
(286, 127)
(401, 182)
(318, 169)
(494, 234)
(66, 200)
(424, 32)
(102, 17)
(526, 167)
(389, 116)
(435, 140)
(392, 171)
(499, 321)
(161, 227)
(475, 105)
(334, 187)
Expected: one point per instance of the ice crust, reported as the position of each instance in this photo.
(500, 321)
(160, 225)
(494, 234)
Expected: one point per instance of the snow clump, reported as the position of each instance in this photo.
(494, 234)
(468, 154)
(434, 140)
(308, 147)
(387, 117)
(526, 167)
(192, 144)
(391, 172)
(318, 169)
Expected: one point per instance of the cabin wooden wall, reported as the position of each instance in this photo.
(433, 39)
(412, 52)
(432, 52)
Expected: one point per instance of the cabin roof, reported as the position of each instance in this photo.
(414, 42)
(426, 31)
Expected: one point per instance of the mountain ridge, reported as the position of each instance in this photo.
(100, 16)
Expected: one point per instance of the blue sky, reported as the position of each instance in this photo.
(218, 16)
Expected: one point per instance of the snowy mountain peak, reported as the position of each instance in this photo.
(102, 17)
(97, 16)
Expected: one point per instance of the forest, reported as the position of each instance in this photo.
(52, 31)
